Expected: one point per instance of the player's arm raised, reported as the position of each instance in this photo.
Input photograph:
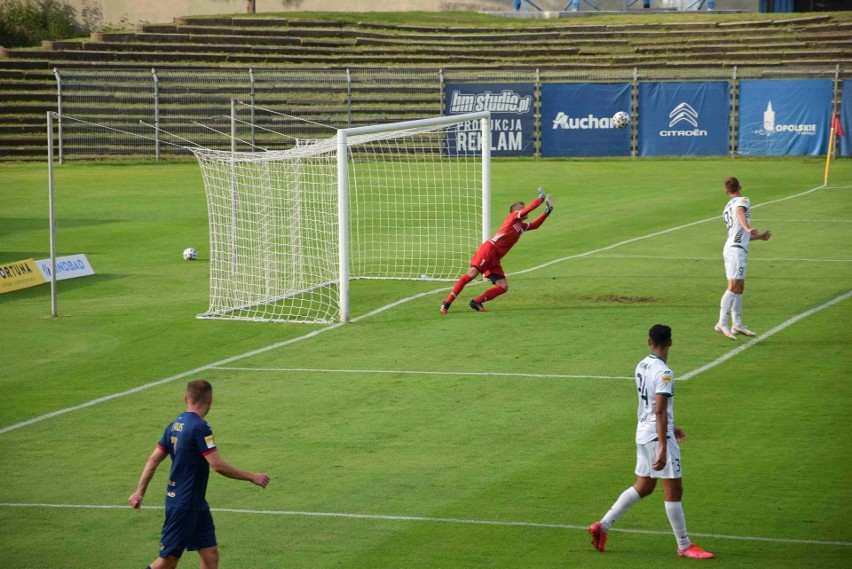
(536, 223)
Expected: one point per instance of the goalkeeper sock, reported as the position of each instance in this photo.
(490, 294)
(460, 284)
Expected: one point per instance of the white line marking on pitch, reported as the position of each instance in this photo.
(410, 372)
(106, 398)
(806, 220)
(426, 519)
(716, 259)
(656, 234)
(765, 335)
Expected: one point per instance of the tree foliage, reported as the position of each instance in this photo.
(25, 23)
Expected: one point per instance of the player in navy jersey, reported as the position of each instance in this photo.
(486, 260)
(657, 450)
(188, 440)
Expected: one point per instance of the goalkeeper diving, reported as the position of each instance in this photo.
(486, 260)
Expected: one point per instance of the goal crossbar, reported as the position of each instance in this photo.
(406, 194)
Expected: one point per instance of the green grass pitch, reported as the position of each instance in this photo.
(407, 439)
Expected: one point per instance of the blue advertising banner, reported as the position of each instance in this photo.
(789, 117)
(683, 119)
(844, 143)
(511, 106)
(576, 119)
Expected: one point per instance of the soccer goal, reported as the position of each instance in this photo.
(289, 229)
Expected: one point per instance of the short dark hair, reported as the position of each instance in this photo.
(517, 206)
(732, 185)
(199, 391)
(660, 335)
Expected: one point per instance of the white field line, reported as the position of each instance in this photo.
(163, 381)
(764, 336)
(426, 519)
(762, 219)
(693, 373)
(717, 259)
(422, 372)
(657, 233)
(137, 389)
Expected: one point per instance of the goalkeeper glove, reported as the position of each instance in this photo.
(540, 194)
(548, 205)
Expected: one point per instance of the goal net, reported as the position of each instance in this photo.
(290, 228)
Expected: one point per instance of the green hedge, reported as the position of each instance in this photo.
(25, 23)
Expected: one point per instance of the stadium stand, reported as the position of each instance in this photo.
(28, 86)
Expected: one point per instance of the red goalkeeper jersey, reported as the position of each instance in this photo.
(512, 228)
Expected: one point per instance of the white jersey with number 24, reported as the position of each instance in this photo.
(653, 376)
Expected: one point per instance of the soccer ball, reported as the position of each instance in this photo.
(620, 119)
(190, 254)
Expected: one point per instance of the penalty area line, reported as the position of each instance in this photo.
(657, 234)
(764, 336)
(427, 519)
(370, 314)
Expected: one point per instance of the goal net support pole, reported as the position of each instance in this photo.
(289, 229)
(343, 185)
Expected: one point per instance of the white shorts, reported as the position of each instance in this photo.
(646, 454)
(735, 263)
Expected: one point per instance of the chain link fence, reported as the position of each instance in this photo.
(154, 114)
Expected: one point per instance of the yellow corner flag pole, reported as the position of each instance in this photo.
(830, 148)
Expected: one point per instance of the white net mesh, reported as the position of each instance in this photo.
(415, 212)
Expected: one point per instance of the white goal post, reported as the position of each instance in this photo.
(289, 229)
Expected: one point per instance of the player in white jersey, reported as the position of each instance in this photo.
(737, 218)
(657, 450)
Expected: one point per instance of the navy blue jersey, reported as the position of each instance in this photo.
(188, 440)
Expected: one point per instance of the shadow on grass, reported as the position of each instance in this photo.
(12, 225)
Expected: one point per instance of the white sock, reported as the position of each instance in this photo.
(737, 310)
(674, 511)
(726, 306)
(624, 502)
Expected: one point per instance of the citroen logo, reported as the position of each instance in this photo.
(683, 112)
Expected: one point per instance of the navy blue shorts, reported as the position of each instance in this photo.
(186, 529)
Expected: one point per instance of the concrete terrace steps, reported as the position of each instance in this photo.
(228, 46)
(388, 52)
(251, 22)
(28, 96)
(486, 35)
(286, 27)
(230, 39)
(768, 50)
(584, 58)
(209, 56)
(260, 40)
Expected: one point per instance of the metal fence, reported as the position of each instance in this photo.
(153, 114)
